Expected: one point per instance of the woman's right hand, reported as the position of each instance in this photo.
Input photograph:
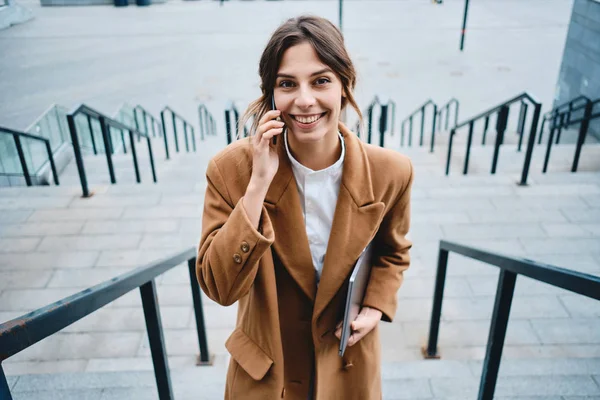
(265, 160)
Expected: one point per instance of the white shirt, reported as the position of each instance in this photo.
(318, 192)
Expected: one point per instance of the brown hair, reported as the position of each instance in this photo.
(328, 43)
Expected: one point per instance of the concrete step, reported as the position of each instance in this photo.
(425, 379)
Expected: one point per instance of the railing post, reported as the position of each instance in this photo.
(185, 135)
(175, 132)
(495, 343)
(452, 132)
(383, 124)
(583, 129)
(107, 152)
(123, 142)
(485, 128)
(78, 156)
(520, 120)
(164, 129)
(501, 123)
(469, 141)
(436, 310)
(530, 143)
(4, 388)
(201, 122)
(205, 358)
(157, 343)
(433, 127)
(21, 153)
(402, 134)
(134, 155)
(410, 126)
(422, 126)
(89, 121)
(150, 153)
(456, 106)
(52, 163)
(560, 127)
(370, 123)
(228, 126)
(193, 136)
(524, 108)
(542, 130)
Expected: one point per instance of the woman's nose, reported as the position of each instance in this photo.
(305, 98)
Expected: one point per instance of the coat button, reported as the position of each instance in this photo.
(245, 247)
(348, 365)
(237, 258)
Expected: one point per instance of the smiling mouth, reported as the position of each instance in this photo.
(307, 120)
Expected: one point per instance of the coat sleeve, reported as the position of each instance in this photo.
(230, 247)
(393, 254)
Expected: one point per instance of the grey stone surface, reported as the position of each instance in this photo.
(44, 394)
(96, 242)
(41, 229)
(21, 245)
(49, 259)
(583, 331)
(16, 368)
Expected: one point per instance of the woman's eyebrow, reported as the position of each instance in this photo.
(319, 72)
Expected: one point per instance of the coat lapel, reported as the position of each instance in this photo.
(356, 220)
(291, 243)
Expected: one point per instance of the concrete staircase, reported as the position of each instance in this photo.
(55, 243)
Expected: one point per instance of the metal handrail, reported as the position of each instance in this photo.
(577, 282)
(155, 123)
(206, 122)
(555, 113)
(174, 117)
(105, 124)
(386, 108)
(24, 331)
(446, 108)
(409, 119)
(17, 138)
(502, 111)
(229, 131)
(565, 122)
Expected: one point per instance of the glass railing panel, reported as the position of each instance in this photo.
(36, 154)
(9, 158)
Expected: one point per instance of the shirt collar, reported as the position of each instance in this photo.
(334, 170)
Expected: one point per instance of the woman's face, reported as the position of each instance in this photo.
(308, 93)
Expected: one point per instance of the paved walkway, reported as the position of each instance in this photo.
(53, 243)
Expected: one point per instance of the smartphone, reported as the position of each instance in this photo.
(278, 118)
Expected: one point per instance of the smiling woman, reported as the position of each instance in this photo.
(284, 224)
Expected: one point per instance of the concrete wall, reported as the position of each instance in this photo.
(580, 69)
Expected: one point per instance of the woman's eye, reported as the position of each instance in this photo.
(286, 84)
(322, 81)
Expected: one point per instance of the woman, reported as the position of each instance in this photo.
(284, 224)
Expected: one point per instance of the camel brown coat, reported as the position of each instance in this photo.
(284, 335)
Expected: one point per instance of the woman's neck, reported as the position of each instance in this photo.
(316, 155)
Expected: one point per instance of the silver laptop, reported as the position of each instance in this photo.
(356, 293)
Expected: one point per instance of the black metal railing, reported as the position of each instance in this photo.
(566, 120)
(444, 111)
(232, 120)
(149, 122)
(387, 111)
(510, 267)
(16, 135)
(105, 124)
(207, 124)
(174, 118)
(22, 332)
(501, 112)
(421, 110)
(562, 112)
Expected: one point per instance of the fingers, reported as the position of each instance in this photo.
(268, 130)
(272, 114)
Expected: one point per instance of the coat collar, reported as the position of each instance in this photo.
(355, 222)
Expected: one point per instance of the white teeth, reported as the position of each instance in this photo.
(307, 120)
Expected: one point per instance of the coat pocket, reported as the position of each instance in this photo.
(248, 355)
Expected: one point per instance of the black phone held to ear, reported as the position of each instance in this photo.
(278, 118)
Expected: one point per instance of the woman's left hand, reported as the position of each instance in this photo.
(367, 319)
